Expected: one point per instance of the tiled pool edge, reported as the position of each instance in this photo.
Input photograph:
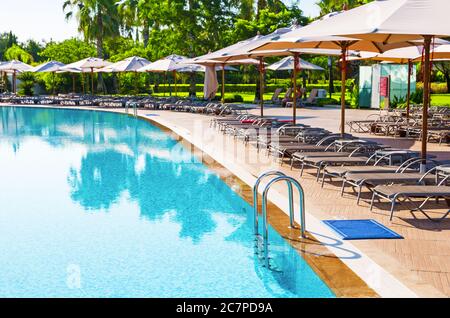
(384, 283)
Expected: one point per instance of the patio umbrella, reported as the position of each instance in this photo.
(376, 26)
(254, 49)
(15, 67)
(287, 64)
(196, 68)
(214, 64)
(90, 63)
(130, 64)
(73, 71)
(49, 67)
(168, 64)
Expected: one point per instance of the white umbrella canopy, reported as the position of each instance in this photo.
(197, 68)
(378, 25)
(212, 65)
(48, 67)
(89, 63)
(15, 66)
(207, 62)
(167, 64)
(131, 64)
(441, 52)
(390, 21)
(288, 64)
(219, 53)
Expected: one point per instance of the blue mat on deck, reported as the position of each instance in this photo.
(361, 230)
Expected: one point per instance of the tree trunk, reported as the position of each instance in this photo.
(258, 87)
(447, 79)
(261, 5)
(146, 33)
(100, 84)
(156, 86)
(192, 86)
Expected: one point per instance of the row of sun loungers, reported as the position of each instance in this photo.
(388, 174)
(397, 125)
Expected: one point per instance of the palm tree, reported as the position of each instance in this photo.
(97, 19)
(328, 6)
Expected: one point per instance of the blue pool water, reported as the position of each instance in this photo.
(96, 204)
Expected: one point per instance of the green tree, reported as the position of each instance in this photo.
(7, 40)
(444, 68)
(67, 51)
(328, 6)
(34, 48)
(97, 20)
(15, 52)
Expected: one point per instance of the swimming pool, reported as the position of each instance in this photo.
(97, 204)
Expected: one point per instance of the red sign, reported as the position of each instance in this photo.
(384, 86)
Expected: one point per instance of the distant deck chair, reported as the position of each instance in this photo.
(276, 96)
(311, 100)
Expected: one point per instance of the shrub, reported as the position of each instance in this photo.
(436, 88)
(354, 94)
(398, 102)
(417, 96)
(327, 101)
(27, 83)
(235, 99)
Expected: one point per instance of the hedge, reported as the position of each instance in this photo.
(436, 88)
(243, 88)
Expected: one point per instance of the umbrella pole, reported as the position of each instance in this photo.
(73, 83)
(136, 82)
(175, 83)
(92, 80)
(261, 85)
(53, 80)
(84, 83)
(343, 87)
(14, 82)
(426, 100)
(408, 93)
(294, 100)
(223, 83)
(165, 83)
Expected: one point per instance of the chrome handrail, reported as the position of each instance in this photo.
(289, 181)
(255, 197)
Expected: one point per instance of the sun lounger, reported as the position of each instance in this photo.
(340, 171)
(319, 163)
(394, 193)
(285, 150)
(371, 180)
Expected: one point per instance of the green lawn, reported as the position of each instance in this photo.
(440, 100)
(436, 99)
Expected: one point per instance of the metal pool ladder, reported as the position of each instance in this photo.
(276, 176)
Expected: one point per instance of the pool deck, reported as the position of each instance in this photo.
(417, 266)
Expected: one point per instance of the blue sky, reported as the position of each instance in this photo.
(44, 19)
